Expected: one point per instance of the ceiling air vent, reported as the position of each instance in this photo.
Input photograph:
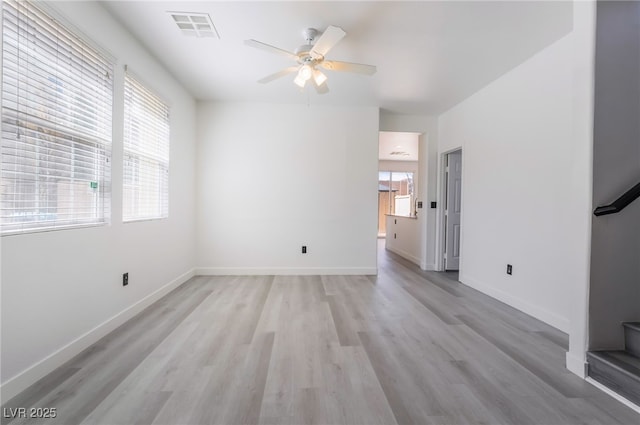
(195, 24)
(401, 153)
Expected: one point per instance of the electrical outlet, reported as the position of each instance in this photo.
(304, 249)
(125, 279)
(509, 269)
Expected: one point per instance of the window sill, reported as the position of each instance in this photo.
(52, 229)
(138, 220)
(412, 217)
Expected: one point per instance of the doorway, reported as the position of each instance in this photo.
(398, 163)
(452, 212)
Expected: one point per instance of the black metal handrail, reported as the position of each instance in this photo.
(619, 204)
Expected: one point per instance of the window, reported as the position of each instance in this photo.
(397, 187)
(146, 153)
(396, 195)
(56, 125)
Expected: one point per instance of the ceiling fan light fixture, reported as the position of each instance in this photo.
(319, 77)
(305, 72)
(299, 81)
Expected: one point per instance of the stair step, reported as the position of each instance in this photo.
(632, 337)
(618, 370)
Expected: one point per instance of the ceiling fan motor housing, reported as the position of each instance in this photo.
(309, 35)
(304, 51)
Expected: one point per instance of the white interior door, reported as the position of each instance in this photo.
(452, 211)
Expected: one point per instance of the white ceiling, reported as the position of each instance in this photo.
(430, 55)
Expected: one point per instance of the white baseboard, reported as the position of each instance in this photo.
(404, 254)
(31, 375)
(576, 364)
(268, 271)
(548, 317)
(428, 267)
(630, 404)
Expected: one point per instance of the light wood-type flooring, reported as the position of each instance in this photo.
(406, 347)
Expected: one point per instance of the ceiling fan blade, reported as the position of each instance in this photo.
(327, 40)
(322, 88)
(358, 68)
(278, 74)
(269, 48)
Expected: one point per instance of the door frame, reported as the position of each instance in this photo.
(440, 220)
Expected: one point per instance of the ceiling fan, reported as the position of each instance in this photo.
(310, 56)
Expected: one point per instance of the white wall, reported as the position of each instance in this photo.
(411, 166)
(62, 290)
(427, 172)
(583, 39)
(275, 177)
(522, 168)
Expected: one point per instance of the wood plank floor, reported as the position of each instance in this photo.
(406, 347)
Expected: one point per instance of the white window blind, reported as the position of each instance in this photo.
(56, 125)
(146, 153)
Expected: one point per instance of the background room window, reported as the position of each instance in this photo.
(397, 191)
(146, 153)
(56, 124)
(396, 195)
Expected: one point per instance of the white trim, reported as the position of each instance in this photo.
(558, 322)
(441, 210)
(428, 266)
(576, 364)
(613, 394)
(31, 375)
(258, 271)
(404, 254)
